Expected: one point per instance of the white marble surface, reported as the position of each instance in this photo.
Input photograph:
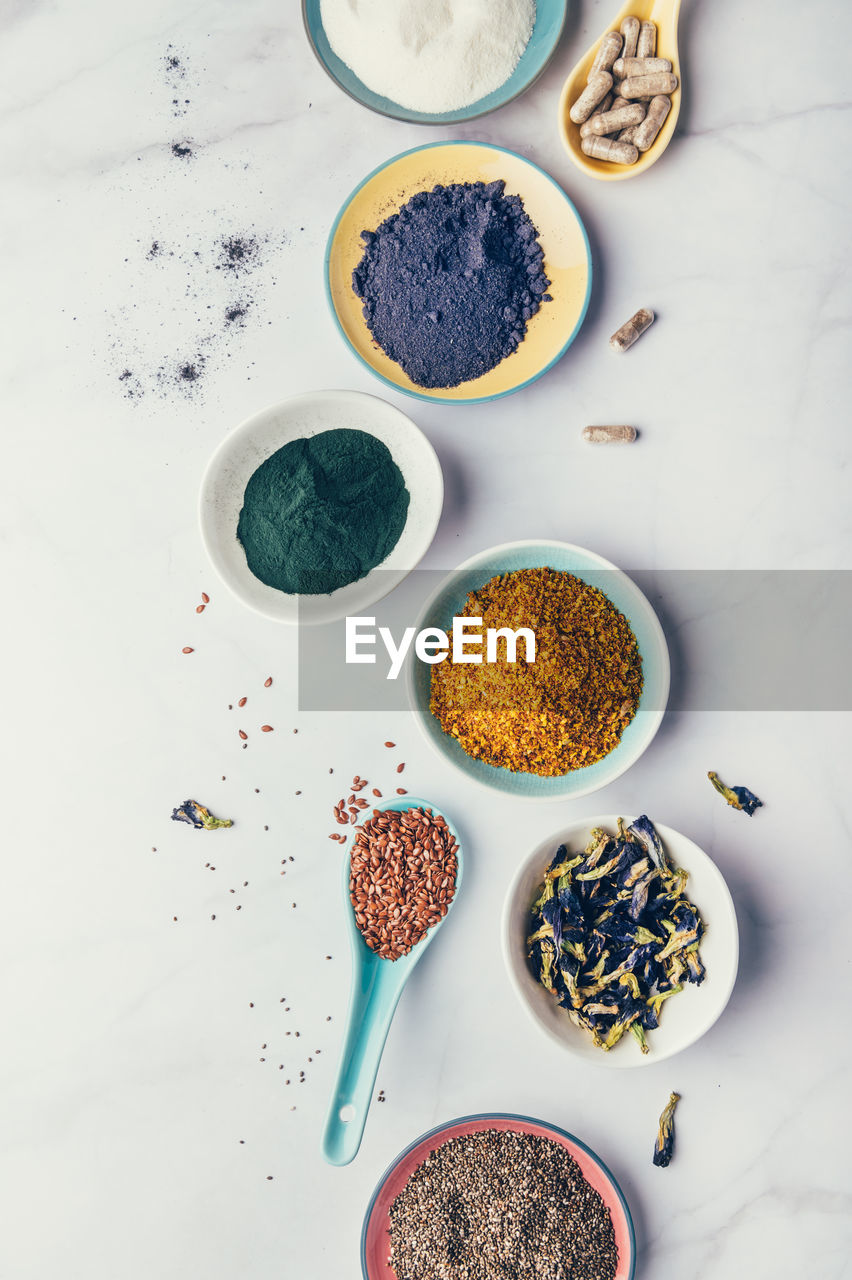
(130, 1065)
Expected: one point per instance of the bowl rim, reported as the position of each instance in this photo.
(422, 394)
(392, 577)
(508, 941)
(655, 716)
(500, 1115)
(447, 118)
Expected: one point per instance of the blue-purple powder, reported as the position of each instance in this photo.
(450, 281)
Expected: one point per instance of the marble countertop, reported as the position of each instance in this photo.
(171, 170)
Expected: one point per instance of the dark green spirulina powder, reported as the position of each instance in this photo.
(322, 512)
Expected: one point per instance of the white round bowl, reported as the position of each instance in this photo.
(241, 453)
(685, 1017)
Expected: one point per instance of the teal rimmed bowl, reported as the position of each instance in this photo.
(549, 21)
(562, 236)
(448, 601)
(375, 1234)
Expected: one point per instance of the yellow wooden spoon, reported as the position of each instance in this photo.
(665, 14)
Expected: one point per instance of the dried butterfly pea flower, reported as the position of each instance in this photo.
(664, 1145)
(613, 935)
(737, 797)
(199, 817)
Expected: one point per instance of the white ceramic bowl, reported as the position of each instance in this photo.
(449, 599)
(684, 1018)
(241, 453)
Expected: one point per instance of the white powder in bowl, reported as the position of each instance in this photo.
(430, 55)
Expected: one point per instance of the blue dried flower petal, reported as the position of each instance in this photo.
(737, 797)
(664, 1146)
(552, 912)
(644, 831)
(199, 817)
(561, 855)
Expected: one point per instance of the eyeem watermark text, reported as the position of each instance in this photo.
(464, 644)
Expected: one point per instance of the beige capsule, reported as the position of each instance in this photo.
(623, 68)
(609, 49)
(595, 91)
(632, 113)
(630, 32)
(603, 105)
(608, 149)
(632, 329)
(645, 133)
(648, 86)
(609, 435)
(646, 45)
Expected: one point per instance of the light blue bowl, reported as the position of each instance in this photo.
(549, 21)
(448, 601)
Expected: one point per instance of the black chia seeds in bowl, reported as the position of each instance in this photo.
(498, 1197)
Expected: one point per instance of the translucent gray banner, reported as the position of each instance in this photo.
(738, 640)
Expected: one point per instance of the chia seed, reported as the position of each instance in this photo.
(499, 1205)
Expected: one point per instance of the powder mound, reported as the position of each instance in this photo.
(566, 710)
(430, 55)
(449, 282)
(322, 511)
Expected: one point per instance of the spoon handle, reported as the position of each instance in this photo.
(375, 994)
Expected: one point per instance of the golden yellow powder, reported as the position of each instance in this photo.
(564, 711)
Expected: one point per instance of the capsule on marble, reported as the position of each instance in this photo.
(622, 68)
(600, 148)
(632, 329)
(648, 86)
(632, 113)
(595, 91)
(609, 435)
(646, 45)
(610, 48)
(630, 31)
(645, 133)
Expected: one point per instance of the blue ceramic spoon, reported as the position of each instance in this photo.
(376, 987)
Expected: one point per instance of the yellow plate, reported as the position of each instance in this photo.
(665, 14)
(567, 261)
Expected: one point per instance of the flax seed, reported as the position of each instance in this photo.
(395, 904)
